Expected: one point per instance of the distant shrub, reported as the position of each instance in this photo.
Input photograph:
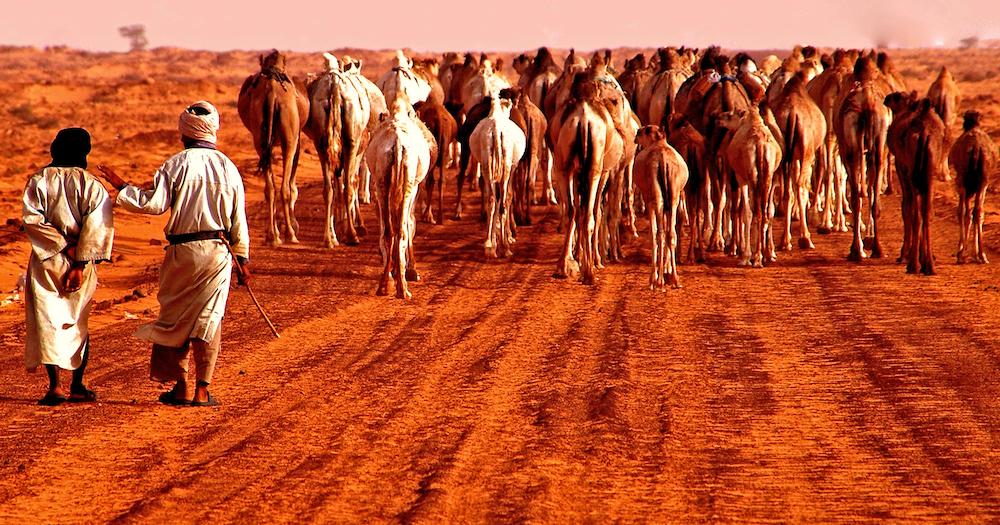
(978, 75)
(27, 114)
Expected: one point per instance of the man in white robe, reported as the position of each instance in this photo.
(204, 193)
(67, 216)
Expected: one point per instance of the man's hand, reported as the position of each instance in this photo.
(242, 271)
(74, 279)
(109, 175)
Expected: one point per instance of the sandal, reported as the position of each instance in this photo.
(52, 400)
(212, 402)
(167, 398)
(83, 396)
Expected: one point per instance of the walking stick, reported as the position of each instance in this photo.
(239, 268)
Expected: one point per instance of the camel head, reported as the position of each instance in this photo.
(543, 59)
(809, 52)
(522, 63)
(274, 60)
(513, 94)
(971, 120)
(351, 64)
(866, 69)
(401, 61)
(731, 120)
(826, 61)
(745, 64)
(500, 107)
(885, 64)
(331, 62)
(708, 59)
(900, 102)
(649, 135)
(470, 60)
(636, 63)
(485, 67)
(669, 58)
(945, 75)
(430, 65)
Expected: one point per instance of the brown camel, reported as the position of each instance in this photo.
(635, 75)
(454, 82)
(862, 124)
(656, 98)
(585, 130)
(429, 69)
(974, 158)
(691, 146)
(831, 192)
(903, 107)
(922, 152)
(275, 112)
(537, 74)
(753, 154)
(803, 129)
(660, 175)
(442, 125)
(945, 97)
(530, 119)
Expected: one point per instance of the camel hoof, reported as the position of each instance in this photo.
(823, 230)
(927, 270)
(806, 244)
(876, 252)
(855, 256)
(293, 240)
(587, 280)
(352, 241)
(743, 263)
(412, 275)
(403, 294)
(983, 260)
(381, 291)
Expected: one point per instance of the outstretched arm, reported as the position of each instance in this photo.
(153, 201)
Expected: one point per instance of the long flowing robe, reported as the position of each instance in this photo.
(203, 190)
(62, 207)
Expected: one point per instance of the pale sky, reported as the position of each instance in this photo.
(437, 25)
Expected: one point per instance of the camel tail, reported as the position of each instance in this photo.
(269, 110)
(921, 163)
(790, 126)
(398, 180)
(335, 128)
(663, 181)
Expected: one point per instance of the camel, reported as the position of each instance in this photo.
(922, 151)
(400, 158)
(486, 82)
(402, 77)
(945, 96)
(583, 130)
(428, 70)
(861, 121)
(560, 91)
(453, 80)
(537, 74)
(497, 145)
(891, 76)
(530, 119)
(660, 175)
(352, 67)
(723, 96)
(903, 107)
(275, 112)
(803, 129)
(831, 191)
(442, 125)
(791, 65)
(974, 158)
(340, 111)
(769, 65)
(656, 98)
(634, 77)
(753, 154)
(691, 146)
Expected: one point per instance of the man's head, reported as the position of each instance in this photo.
(70, 148)
(199, 122)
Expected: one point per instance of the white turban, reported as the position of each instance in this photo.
(200, 121)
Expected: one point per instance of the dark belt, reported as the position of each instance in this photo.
(182, 238)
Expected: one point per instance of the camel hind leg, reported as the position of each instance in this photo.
(289, 192)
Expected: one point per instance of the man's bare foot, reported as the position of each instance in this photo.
(175, 396)
(202, 398)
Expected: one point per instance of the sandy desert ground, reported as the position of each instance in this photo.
(813, 390)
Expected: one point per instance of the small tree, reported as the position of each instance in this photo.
(136, 35)
(969, 43)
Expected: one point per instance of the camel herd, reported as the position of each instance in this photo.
(686, 137)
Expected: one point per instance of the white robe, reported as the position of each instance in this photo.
(62, 207)
(203, 190)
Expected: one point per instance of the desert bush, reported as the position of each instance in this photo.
(27, 114)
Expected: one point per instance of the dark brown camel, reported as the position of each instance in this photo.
(275, 112)
(442, 125)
